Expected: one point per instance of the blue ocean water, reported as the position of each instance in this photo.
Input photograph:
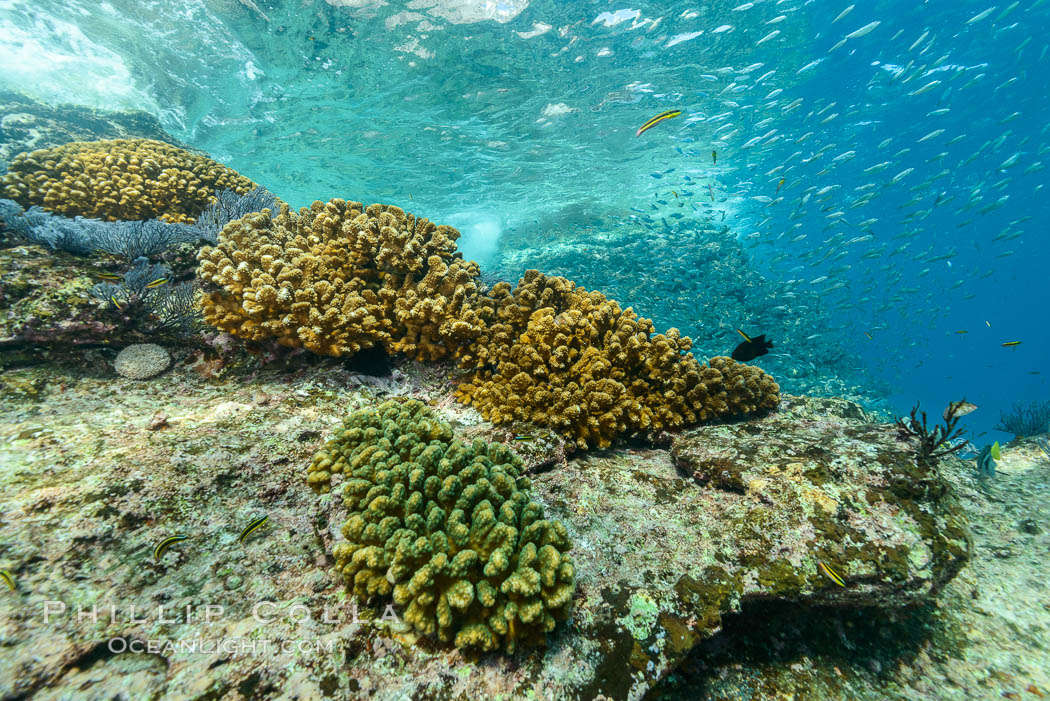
(881, 164)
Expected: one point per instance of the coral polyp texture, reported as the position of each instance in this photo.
(563, 357)
(121, 179)
(337, 278)
(445, 528)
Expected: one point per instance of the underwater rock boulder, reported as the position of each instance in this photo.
(45, 300)
(30, 124)
(667, 543)
(659, 558)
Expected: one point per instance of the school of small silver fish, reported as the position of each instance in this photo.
(833, 195)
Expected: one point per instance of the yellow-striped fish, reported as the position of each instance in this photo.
(113, 299)
(669, 114)
(162, 546)
(746, 337)
(8, 579)
(1012, 343)
(255, 525)
(523, 438)
(156, 283)
(110, 276)
(830, 574)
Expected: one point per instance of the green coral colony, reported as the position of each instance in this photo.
(448, 528)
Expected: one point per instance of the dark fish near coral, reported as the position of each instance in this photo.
(255, 525)
(663, 116)
(960, 408)
(830, 574)
(751, 348)
(162, 546)
(8, 579)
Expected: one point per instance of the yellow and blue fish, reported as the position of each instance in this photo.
(830, 574)
(663, 116)
(8, 579)
(255, 525)
(162, 546)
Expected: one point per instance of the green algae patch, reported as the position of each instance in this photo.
(641, 617)
(716, 592)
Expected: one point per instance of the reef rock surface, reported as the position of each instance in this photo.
(27, 124)
(96, 470)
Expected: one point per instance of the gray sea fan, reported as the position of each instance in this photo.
(81, 236)
(8, 210)
(164, 307)
(175, 308)
(76, 236)
(1026, 419)
(134, 239)
(229, 206)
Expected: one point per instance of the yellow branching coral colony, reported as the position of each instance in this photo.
(448, 529)
(575, 361)
(122, 179)
(338, 277)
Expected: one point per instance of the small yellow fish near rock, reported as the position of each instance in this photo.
(255, 525)
(830, 574)
(162, 546)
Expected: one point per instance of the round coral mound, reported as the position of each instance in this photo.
(121, 179)
(141, 361)
(447, 528)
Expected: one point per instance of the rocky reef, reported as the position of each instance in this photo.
(27, 125)
(668, 541)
